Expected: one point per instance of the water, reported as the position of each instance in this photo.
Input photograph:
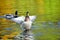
(24, 36)
(40, 31)
(46, 30)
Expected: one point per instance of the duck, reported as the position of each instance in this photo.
(24, 21)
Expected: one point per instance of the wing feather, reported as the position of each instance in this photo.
(18, 19)
(21, 19)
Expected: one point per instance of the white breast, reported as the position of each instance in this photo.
(27, 25)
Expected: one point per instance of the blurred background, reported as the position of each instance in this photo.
(46, 26)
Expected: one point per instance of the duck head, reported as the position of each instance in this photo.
(27, 16)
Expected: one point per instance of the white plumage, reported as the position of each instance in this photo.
(21, 19)
(27, 25)
(24, 24)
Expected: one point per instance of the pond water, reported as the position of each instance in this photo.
(46, 30)
(40, 30)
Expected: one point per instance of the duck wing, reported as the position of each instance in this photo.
(18, 20)
(21, 19)
(32, 18)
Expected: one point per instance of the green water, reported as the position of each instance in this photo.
(46, 25)
(50, 9)
(43, 30)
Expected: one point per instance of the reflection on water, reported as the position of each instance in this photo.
(46, 30)
(24, 36)
(41, 31)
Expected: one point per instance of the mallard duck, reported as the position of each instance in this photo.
(24, 21)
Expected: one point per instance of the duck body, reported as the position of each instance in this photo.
(24, 24)
(27, 24)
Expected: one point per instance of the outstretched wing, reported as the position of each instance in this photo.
(21, 19)
(32, 18)
(18, 19)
